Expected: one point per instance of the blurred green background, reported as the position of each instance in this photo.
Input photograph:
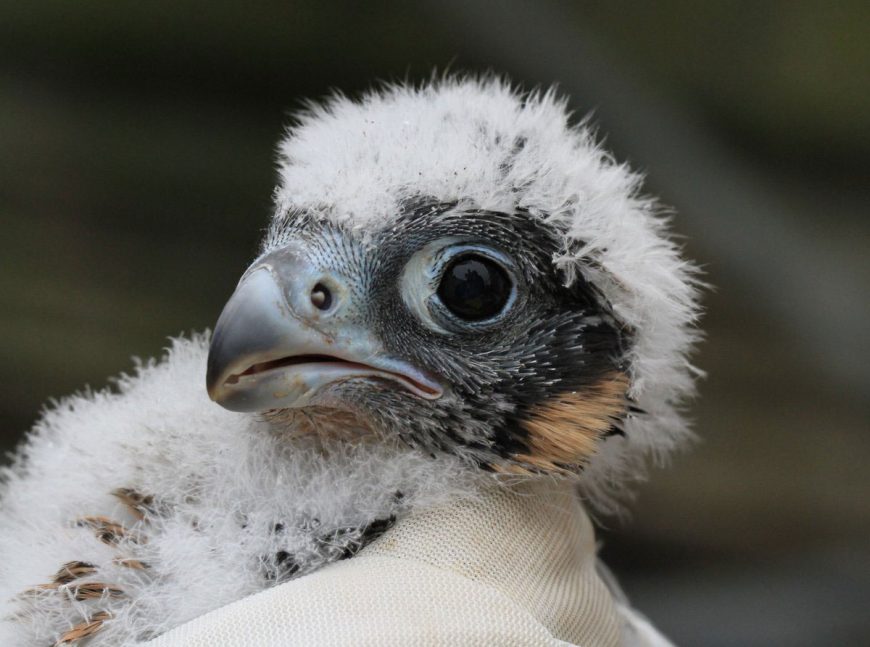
(136, 165)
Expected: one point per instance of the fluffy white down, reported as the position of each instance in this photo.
(485, 144)
(225, 480)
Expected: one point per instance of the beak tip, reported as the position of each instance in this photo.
(214, 379)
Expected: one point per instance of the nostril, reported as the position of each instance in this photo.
(321, 297)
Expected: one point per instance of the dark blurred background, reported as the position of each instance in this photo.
(136, 165)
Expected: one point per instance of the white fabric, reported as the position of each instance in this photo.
(514, 567)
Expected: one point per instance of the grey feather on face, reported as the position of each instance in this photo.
(533, 388)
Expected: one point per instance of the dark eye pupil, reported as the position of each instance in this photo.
(474, 288)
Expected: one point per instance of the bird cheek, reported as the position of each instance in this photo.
(564, 430)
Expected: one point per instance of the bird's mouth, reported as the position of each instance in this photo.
(265, 355)
(313, 372)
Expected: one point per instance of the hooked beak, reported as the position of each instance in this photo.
(274, 346)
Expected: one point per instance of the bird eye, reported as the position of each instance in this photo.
(474, 287)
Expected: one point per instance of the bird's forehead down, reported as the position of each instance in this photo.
(477, 142)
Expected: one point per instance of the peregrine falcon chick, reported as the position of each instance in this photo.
(459, 290)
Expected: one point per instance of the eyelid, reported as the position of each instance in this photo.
(419, 281)
(451, 252)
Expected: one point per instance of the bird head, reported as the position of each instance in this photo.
(457, 267)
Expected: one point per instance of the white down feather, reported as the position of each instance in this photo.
(226, 479)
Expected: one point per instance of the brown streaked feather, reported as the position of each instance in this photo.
(109, 532)
(35, 592)
(131, 563)
(95, 591)
(564, 431)
(72, 571)
(84, 629)
(140, 505)
(67, 573)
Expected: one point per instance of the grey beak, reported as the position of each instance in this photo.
(266, 354)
